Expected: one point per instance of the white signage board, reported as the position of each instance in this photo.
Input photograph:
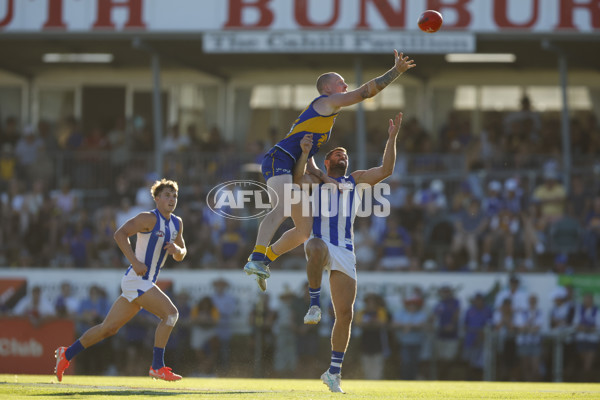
(336, 42)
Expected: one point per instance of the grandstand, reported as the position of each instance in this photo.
(98, 100)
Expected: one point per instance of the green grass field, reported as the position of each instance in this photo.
(117, 388)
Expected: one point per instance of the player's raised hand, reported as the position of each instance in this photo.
(395, 124)
(403, 63)
(306, 143)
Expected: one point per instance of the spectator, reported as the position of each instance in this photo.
(587, 336)
(231, 245)
(504, 326)
(469, 225)
(35, 306)
(47, 137)
(92, 311)
(66, 198)
(204, 341)
(226, 304)
(527, 118)
(364, 245)
(180, 338)
(477, 317)
(395, 252)
(550, 197)
(285, 358)
(446, 313)
(8, 166)
(372, 321)
(28, 151)
(119, 139)
(72, 136)
(410, 325)
(504, 215)
(516, 294)
(174, 142)
(529, 340)
(562, 315)
(66, 304)
(262, 338)
(10, 133)
(432, 200)
(579, 200)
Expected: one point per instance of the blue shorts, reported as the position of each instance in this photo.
(277, 162)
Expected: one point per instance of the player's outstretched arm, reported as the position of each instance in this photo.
(371, 88)
(377, 174)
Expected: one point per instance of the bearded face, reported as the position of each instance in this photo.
(337, 163)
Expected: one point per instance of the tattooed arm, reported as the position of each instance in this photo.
(334, 102)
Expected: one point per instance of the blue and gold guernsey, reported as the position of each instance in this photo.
(149, 247)
(282, 157)
(335, 211)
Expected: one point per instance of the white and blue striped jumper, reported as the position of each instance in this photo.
(336, 225)
(149, 245)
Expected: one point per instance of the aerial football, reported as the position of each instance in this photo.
(430, 21)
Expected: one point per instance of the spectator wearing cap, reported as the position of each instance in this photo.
(477, 317)
(518, 297)
(446, 313)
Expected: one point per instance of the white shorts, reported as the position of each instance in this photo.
(133, 286)
(340, 259)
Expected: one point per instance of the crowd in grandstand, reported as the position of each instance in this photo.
(506, 203)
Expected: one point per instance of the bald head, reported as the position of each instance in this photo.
(323, 80)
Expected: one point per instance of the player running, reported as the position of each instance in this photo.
(159, 234)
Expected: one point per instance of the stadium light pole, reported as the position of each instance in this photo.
(139, 44)
(564, 120)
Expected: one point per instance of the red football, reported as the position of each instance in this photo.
(430, 21)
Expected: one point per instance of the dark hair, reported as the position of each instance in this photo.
(330, 152)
